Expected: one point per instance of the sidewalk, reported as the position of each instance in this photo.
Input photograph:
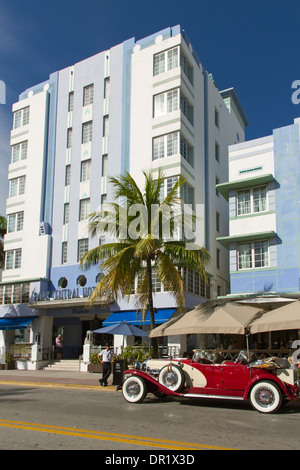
(60, 379)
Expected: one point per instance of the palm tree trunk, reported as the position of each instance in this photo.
(151, 309)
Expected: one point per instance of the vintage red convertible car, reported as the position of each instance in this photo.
(267, 383)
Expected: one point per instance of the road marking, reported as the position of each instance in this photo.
(57, 385)
(106, 436)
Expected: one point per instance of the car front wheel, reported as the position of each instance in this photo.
(266, 397)
(134, 389)
(172, 377)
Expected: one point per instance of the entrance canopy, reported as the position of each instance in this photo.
(15, 323)
(16, 316)
(134, 317)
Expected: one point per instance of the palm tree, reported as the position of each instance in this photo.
(139, 248)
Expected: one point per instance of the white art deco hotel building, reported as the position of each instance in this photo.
(141, 105)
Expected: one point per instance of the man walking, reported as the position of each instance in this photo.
(105, 357)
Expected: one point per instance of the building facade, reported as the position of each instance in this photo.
(263, 195)
(141, 105)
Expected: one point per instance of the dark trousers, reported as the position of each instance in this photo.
(106, 371)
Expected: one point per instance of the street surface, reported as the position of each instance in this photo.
(37, 417)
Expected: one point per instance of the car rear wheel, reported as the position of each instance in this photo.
(266, 397)
(172, 377)
(134, 389)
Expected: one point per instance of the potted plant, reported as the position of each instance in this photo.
(133, 354)
(94, 366)
(9, 361)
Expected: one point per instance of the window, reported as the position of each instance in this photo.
(166, 102)
(88, 95)
(15, 222)
(105, 126)
(83, 247)
(187, 68)
(15, 293)
(68, 175)
(218, 258)
(17, 186)
(167, 186)
(218, 221)
(187, 151)
(165, 146)
(85, 170)
(71, 101)
(166, 60)
(156, 284)
(87, 132)
(104, 165)
(217, 151)
(106, 88)
(194, 283)
(255, 254)
(64, 253)
(217, 118)
(217, 182)
(69, 137)
(13, 259)
(19, 152)
(260, 199)
(261, 258)
(66, 213)
(21, 117)
(186, 108)
(252, 201)
(187, 194)
(84, 209)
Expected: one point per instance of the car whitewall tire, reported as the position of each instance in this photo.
(172, 377)
(134, 389)
(266, 397)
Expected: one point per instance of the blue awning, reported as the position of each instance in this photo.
(15, 323)
(134, 317)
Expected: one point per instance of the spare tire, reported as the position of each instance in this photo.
(172, 377)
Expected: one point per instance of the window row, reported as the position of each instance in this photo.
(87, 132)
(170, 101)
(171, 59)
(82, 248)
(21, 117)
(19, 152)
(13, 259)
(172, 144)
(17, 186)
(85, 170)
(15, 293)
(252, 201)
(253, 255)
(15, 222)
(88, 94)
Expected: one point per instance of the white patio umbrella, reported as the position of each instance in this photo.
(282, 318)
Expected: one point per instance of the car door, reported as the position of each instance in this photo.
(231, 379)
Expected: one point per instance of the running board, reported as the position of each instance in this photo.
(219, 397)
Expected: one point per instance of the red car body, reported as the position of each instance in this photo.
(235, 381)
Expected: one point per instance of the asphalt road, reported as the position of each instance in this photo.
(33, 417)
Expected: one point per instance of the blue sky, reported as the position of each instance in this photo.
(252, 46)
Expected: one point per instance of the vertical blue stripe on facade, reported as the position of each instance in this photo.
(287, 174)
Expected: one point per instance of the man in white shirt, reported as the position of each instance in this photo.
(105, 357)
